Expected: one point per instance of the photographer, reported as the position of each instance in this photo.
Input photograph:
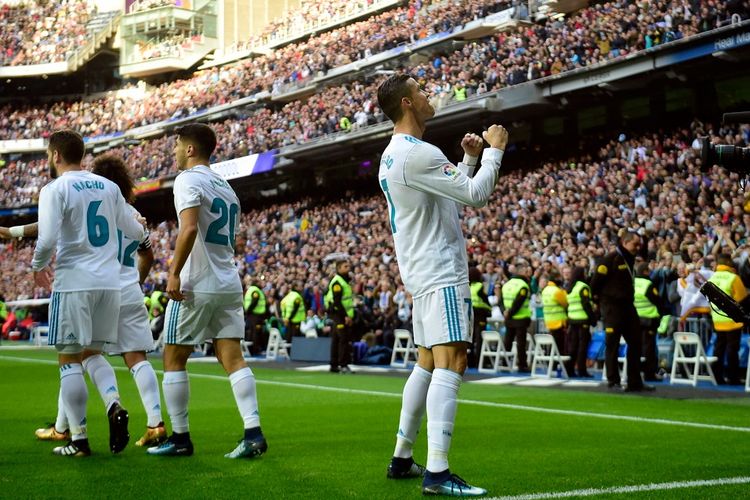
(728, 332)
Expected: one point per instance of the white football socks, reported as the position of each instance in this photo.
(103, 376)
(148, 387)
(441, 415)
(61, 422)
(413, 403)
(176, 394)
(74, 395)
(243, 387)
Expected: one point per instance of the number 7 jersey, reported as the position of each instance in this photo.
(424, 192)
(210, 267)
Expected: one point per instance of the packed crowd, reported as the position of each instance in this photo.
(172, 46)
(309, 15)
(493, 63)
(565, 212)
(141, 5)
(598, 33)
(38, 32)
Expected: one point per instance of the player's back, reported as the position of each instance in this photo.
(87, 243)
(210, 267)
(430, 246)
(126, 253)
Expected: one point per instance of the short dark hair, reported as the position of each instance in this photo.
(390, 94)
(724, 259)
(113, 168)
(69, 144)
(641, 269)
(628, 236)
(201, 136)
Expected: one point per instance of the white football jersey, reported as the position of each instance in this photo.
(424, 192)
(126, 254)
(80, 213)
(210, 267)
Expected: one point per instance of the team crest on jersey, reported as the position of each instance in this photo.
(450, 171)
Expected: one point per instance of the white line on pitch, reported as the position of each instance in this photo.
(616, 490)
(473, 402)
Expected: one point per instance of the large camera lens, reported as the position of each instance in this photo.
(730, 157)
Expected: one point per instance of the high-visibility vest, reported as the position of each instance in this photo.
(260, 307)
(553, 311)
(645, 308)
(510, 291)
(3, 311)
(476, 300)
(723, 280)
(575, 305)
(347, 298)
(155, 303)
(287, 304)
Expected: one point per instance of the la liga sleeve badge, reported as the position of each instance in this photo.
(450, 171)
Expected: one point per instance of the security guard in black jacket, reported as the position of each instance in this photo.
(613, 285)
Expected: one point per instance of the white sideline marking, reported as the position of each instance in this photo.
(473, 402)
(615, 490)
(499, 380)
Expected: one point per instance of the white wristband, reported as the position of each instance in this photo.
(470, 160)
(16, 231)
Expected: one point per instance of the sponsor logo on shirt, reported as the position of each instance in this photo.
(450, 171)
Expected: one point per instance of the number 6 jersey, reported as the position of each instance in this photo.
(80, 213)
(210, 267)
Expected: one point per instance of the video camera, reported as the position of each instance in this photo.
(736, 311)
(732, 158)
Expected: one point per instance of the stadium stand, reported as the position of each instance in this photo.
(595, 34)
(476, 67)
(41, 32)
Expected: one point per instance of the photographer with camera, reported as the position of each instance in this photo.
(728, 331)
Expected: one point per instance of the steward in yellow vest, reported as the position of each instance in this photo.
(481, 310)
(649, 307)
(515, 296)
(158, 301)
(255, 316)
(554, 307)
(581, 316)
(339, 302)
(293, 312)
(728, 333)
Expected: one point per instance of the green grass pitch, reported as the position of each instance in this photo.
(326, 442)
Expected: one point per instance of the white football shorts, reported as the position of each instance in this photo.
(443, 316)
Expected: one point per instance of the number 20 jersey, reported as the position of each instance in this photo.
(210, 267)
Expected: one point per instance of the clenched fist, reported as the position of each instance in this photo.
(472, 144)
(496, 136)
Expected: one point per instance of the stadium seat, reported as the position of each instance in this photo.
(276, 345)
(622, 362)
(691, 363)
(494, 351)
(37, 332)
(546, 354)
(403, 349)
(245, 346)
